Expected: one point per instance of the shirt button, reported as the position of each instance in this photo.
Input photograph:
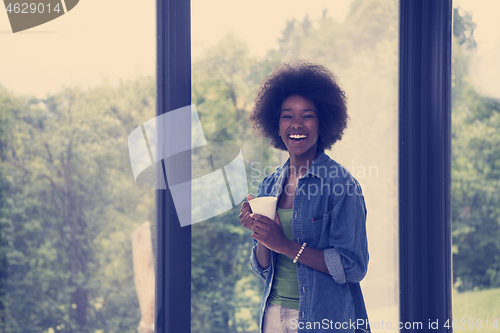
(270, 284)
(296, 215)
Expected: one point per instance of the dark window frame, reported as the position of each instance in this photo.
(173, 242)
(424, 164)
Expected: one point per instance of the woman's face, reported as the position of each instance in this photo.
(299, 126)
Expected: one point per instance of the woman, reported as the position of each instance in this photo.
(315, 253)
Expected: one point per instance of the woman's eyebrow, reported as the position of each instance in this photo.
(305, 110)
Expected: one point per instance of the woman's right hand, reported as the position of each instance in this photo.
(245, 212)
(262, 253)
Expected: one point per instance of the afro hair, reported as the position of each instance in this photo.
(310, 81)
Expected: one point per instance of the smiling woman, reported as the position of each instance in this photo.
(300, 108)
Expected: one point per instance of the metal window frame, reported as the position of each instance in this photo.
(425, 162)
(424, 165)
(173, 242)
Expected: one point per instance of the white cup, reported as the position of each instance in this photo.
(264, 206)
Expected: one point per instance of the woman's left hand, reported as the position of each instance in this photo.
(271, 235)
(269, 232)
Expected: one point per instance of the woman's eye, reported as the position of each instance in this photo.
(286, 116)
(309, 116)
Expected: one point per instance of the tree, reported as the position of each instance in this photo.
(475, 170)
(224, 293)
(73, 204)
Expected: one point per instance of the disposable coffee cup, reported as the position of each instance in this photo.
(264, 206)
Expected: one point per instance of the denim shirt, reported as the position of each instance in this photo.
(329, 214)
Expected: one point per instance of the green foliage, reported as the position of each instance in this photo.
(224, 85)
(476, 192)
(463, 29)
(71, 205)
(5, 223)
(477, 306)
(475, 171)
(220, 252)
(68, 201)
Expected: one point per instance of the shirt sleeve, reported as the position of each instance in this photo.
(347, 257)
(263, 273)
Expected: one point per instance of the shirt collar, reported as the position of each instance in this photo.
(319, 168)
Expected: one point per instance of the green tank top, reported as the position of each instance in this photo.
(285, 288)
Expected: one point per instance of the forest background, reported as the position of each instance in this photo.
(68, 201)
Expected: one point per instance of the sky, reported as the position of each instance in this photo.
(485, 65)
(114, 40)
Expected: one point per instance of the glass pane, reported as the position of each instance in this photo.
(75, 241)
(475, 165)
(235, 46)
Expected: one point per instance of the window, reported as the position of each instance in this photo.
(475, 105)
(225, 293)
(69, 205)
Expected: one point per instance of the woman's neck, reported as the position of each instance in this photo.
(300, 164)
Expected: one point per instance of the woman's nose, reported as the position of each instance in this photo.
(297, 123)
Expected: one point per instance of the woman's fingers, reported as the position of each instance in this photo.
(260, 226)
(247, 223)
(268, 226)
(269, 233)
(245, 205)
(260, 217)
(245, 214)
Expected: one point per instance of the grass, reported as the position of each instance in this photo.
(473, 307)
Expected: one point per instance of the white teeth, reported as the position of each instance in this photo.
(298, 136)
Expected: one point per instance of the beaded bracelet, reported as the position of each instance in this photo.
(299, 253)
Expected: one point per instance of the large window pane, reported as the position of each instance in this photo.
(75, 241)
(235, 46)
(475, 165)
